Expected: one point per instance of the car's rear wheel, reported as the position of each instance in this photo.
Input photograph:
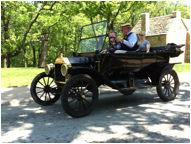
(43, 90)
(168, 85)
(79, 95)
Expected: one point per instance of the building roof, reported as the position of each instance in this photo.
(186, 22)
(159, 25)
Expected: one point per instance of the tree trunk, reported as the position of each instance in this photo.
(62, 50)
(132, 20)
(39, 55)
(34, 56)
(25, 61)
(43, 52)
(17, 52)
(6, 36)
(163, 11)
(111, 26)
(65, 51)
(75, 45)
(4, 63)
(8, 62)
(24, 58)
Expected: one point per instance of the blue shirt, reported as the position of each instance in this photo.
(132, 39)
(117, 46)
(144, 45)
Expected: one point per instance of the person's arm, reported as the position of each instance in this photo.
(148, 47)
(103, 51)
(132, 39)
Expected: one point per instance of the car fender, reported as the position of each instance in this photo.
(160, 69)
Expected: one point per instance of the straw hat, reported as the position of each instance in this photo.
(125, 25)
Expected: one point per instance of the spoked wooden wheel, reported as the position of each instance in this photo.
(43, 90)
(168, 85)
(79, 95)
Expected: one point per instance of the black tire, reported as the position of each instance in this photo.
(127, 92)
(79, 96)
(42, 91)
(168, 85)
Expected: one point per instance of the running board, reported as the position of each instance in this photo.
(119, 81)
(133, 88)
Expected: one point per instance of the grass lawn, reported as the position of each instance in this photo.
(182, 68)
(18, 76)
(23, 76)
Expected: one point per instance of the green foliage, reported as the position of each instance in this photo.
(63, 20)
(162, 8)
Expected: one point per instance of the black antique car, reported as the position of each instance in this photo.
(77, 79)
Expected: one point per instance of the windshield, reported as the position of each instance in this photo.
(93, 37)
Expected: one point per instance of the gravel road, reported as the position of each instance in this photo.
(140, 118)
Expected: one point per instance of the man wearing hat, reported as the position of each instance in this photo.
(129, 42)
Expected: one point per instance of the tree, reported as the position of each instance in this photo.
(7, 15)
(109, 10)
(37, 32)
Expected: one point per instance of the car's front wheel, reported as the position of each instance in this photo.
(43, 90)
(79, 96)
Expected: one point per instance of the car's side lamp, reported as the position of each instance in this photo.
(97, 52)
(74, 54)
(97, 55)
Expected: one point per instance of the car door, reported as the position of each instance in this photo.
(113, 65)
(148, 58)
(133, 61)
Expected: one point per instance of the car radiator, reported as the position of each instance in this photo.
(58, 76)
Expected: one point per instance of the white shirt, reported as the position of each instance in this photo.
(132, 39)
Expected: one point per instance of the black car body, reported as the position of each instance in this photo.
(76, 79)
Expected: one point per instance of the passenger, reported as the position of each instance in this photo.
(112, 34)
(129, 42)
(143, 43)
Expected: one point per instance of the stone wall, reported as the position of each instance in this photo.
(187, 49)
(157, 40)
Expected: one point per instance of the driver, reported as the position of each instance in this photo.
(129, 42)
(112, 34)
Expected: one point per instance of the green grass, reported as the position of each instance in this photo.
(182, 68)
(11, 77)
(18, 77)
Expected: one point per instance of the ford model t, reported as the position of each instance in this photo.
(77, 79)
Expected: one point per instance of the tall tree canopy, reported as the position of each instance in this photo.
(34, 33)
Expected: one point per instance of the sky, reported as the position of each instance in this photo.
(184, 1)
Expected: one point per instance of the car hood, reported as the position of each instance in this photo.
(72, 60)
(76, 60)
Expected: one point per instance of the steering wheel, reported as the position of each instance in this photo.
(112, 43)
